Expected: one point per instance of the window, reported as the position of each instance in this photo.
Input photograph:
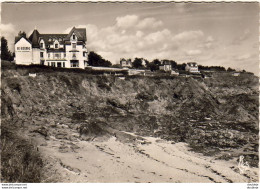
(53, 64)
(64, 54)
(58, 64)
(41, 45)
(57, 55)
(73, 37)
(56, 46)
(64, 64)
(74, 55)
(74, 45)
(74, 64)
(49, 55)
(41, 54)
(48, 64)
(83, 53)
(50, 40)
(85, 63)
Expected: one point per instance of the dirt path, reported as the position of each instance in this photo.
(146, 160)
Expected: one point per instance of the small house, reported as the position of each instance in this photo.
(125, 63)
(174, 72)
(192, 67)
(165, 65)
(236, 74)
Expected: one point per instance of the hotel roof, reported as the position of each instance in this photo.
(49, 39)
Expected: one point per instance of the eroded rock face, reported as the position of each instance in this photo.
(219, 112)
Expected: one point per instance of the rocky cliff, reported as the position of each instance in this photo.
(215, 116)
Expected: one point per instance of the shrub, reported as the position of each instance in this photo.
(14, 84)
(92, 129)
(79, 116)
(20, 161)
(102, 83)
(146, 96)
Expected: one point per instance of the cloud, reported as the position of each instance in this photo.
(149, 23)
(243, 57)
(134, 22)
(188, 35)
(127, 21)
(193, 52)
(208, 43)
(145, 38)
(148, 38)
(242, 37)
(139, 33)
(157, 37)
(209, 39)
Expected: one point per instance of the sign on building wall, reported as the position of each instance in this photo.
(23, 49)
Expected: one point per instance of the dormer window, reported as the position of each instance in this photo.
(74, 45)
(56, 46)
(41, 45)
(73, 37)
(50, 40)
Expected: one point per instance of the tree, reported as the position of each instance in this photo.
(154, 65)
(230, 69)
(157, 62)
(137, 63)
(174, 64)
(181, 66)
(22, 34)
(95, 59)
(5, 53)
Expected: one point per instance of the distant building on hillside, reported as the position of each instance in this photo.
(165, 65)
(125, 62)
(192, 67)
(57, 50)
(143, 62)
(174, 72)
(236, 74)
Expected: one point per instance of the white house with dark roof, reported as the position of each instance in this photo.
(192, 67)
(57, 50)
(126, 62)
(165, 65)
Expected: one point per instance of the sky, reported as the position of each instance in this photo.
(211, 34)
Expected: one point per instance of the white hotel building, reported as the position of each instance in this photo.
(58, 50)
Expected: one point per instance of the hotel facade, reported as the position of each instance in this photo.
(57, 50)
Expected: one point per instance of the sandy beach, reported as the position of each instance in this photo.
(147, 160)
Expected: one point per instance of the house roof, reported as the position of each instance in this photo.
(79, 32)
(166, 62)
(48, 39)
(17, 38)
(34, 37)
(192, 64)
